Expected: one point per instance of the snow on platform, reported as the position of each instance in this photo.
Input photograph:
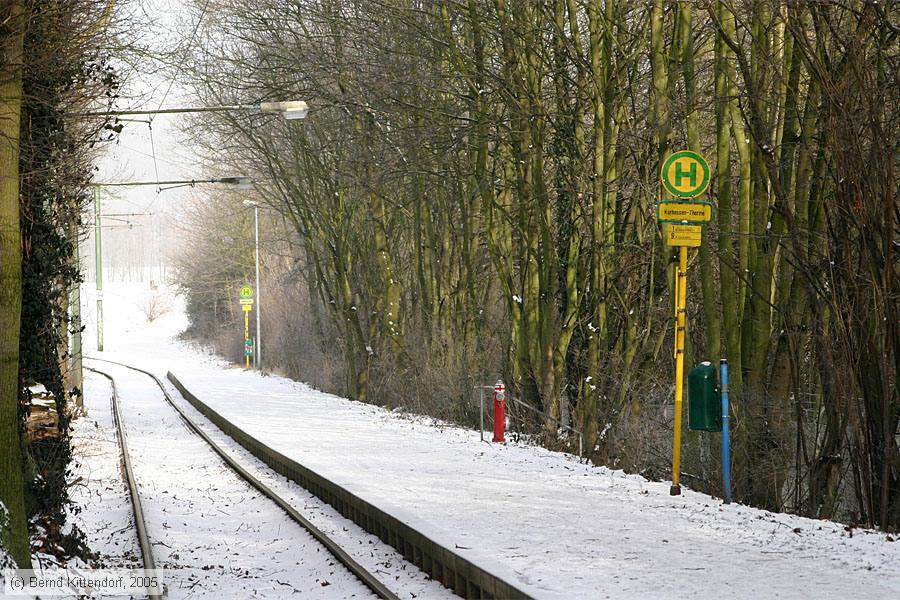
(548, 524)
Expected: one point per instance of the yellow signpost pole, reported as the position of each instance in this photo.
(680, 329)
(246, 335)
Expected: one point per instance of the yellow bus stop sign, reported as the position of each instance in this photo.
(246, 292)
(685, 174)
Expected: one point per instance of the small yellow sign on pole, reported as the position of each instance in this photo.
(683, 235)
(691, 212)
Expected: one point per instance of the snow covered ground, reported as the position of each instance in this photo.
(547, 523)
(213, 534)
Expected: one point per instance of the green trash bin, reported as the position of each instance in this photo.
(704, 402)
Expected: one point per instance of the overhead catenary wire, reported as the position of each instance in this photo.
(177, 72)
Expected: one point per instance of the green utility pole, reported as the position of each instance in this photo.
(76, 375)
(98, 261)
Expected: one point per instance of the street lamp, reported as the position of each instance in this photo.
(239, 181)
(258, 346)
(290, 110)
(293, 110)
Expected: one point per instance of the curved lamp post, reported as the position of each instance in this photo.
(290, 110)
(240, 181)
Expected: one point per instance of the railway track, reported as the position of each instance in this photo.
(360, 572)
(136, 507)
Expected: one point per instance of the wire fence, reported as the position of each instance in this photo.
(523, 425)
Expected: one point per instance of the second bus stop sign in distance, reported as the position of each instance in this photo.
(246, 298)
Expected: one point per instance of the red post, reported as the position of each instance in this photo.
(499, 411)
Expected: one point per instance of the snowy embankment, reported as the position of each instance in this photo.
(553, 526)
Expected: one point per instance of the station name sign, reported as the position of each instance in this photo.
(684, 212)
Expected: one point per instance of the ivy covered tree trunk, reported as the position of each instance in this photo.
(13, 529)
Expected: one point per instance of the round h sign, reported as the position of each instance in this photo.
(685, 174)
(246, 292)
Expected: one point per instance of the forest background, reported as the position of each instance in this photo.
(473, 196)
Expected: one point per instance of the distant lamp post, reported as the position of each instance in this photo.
(239, 181)
(242, 183)
(257, 354)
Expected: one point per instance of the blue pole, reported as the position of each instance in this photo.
(726, 434)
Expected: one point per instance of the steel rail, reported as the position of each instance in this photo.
(367, 578)
(139, 523)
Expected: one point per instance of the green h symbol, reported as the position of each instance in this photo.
(692, 173)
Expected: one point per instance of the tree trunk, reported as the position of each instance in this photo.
(13, 532)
